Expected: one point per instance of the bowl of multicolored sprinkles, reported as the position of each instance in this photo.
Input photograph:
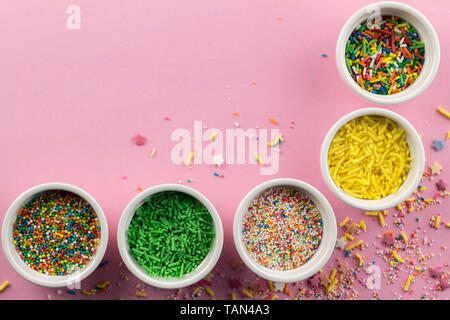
(372, 159)
(54, 235)
(388, 53)
(170, 236)
(284, 230)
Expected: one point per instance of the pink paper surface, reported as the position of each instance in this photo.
(71, 101)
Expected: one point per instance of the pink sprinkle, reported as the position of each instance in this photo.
(435, 272)
(205, 283)
(167, 118)
(139, 140)
(235, 283)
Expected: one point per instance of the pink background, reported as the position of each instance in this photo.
(71, 100)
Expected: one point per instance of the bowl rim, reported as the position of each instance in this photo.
(395, 98)
(12, 255)
(326, 247)
(160, 282)
(381, 204)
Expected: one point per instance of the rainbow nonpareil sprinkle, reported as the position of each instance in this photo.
(56, 232)
(282, 228)
(385, 57)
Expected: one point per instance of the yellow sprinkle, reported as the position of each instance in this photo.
(354, 245)
(408, 282)
(362, 224)
(360, 259)
(103, 285)
(385, 212)
(447, 225)
(333, 274)
(448, 135)
(88, 293)
(437, 220)
(410, 200)
(270, 284)
(397, 257)
(444, 112)
(411, 209)
(276, 141)
(331, 285)
(4, 285)
(274, 297)
(404, 237)
(369, 157)
(212, 136)
(349, 236)
(371, 213)
(196, 290)
(233, 296)
(153, 152)
(247, 293)
(260, 161)
(189, 159)
(209, 291)
(381, 219)
(344, 222)
(141, 294)
(273, 121)
(400, 207)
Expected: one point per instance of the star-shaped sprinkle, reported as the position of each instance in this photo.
(324, 281)
(139, 140)
(438, 145)
(278, 286)
(435, 272)
(218, 160)
(340, 243)
(441, 185)
(388, 238)
(237, 265)
(314, 281)
(343, 267)
(435, 168)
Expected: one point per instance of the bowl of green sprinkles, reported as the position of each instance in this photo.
(54, 235)
(170, 236)
(388, 53)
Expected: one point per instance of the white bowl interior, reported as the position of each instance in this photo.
(322, 254)
(34, 276)
(426, 33)
(161, 282)
(414, 175)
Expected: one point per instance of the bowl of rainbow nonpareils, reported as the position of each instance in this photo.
(54, 235)
(284, 230)
(170, 236)
(388, 53)
(372, 159)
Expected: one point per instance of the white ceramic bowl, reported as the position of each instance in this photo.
(412, 180)
(426, 32)
(192, 277)
(36, 277)
(324, 251)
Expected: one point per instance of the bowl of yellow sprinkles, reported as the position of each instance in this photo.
(372, 159)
